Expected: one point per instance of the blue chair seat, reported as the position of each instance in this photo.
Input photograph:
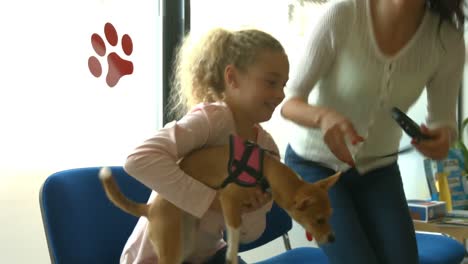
(432, 248)
(298, 255)
(439, 249)
(80, 223)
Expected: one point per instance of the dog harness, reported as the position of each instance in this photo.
(245, 166)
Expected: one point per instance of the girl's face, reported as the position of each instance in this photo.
(260, 89)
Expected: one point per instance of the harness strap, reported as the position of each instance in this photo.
(245, 165)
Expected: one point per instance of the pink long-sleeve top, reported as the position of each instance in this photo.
(155, 164)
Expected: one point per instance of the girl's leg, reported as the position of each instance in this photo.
(351, 245)
(383, 210)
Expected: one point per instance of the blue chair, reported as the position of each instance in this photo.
(278, 225)
(439, 249)
(80, 223)
(83, 226)
(432, 248)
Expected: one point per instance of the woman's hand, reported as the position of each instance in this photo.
(437, 146)
(337, 129)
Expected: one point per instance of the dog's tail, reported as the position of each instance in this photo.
(117, 197)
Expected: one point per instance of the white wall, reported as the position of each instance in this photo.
(54, 114)
(411, 164)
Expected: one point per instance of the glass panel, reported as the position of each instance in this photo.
(81, 82)
(59, 108)
(285, 20)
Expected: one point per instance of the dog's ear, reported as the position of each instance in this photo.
(302, 201)
(328, 182)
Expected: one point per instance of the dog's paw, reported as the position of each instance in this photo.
(105, 173)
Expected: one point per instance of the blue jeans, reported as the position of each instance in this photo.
(370, 217)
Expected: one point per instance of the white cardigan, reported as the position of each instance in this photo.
(351, 75)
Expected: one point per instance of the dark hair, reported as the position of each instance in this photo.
(450, 11)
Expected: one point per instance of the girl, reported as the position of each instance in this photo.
(229, 82)
(365, 57)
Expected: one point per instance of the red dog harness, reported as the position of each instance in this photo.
(245, 166)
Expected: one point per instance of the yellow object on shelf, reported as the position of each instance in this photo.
(444, 189)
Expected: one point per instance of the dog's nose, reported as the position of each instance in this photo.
(331, 238)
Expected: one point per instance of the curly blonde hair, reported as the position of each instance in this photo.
(199, 65)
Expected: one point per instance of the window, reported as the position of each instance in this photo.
(60, 108)
(80, 81)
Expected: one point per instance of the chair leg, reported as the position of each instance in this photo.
(287, 243)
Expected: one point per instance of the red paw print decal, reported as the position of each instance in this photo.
(117, 67)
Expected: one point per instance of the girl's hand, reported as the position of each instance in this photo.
(336, 130)
(257, 199)
(438, 146)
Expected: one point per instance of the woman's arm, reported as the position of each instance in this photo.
(336, 128)
(438, 146)
(317, 57)
(300, 112)
(316, 60)
(442, 96)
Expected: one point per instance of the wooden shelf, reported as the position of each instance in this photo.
(458, 232)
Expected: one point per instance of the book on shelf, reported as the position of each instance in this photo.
(462, 221)
(446, 180)
(426, 211)
(458, 213)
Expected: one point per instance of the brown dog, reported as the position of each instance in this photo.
(171, 230)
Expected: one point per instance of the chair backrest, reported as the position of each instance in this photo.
(81, 224)
(278, 223)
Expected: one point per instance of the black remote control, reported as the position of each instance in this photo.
(408, 125)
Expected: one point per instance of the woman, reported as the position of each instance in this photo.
(363, 58)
